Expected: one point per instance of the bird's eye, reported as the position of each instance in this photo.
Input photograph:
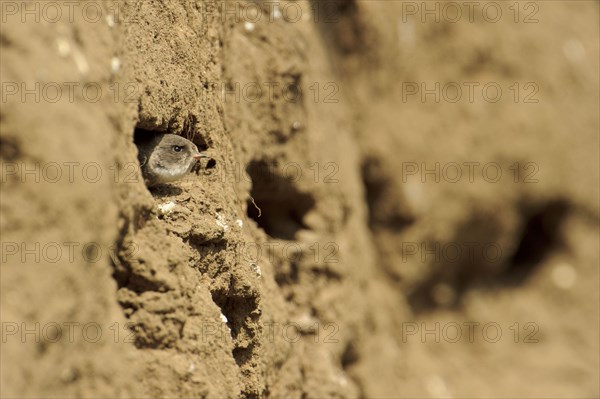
(176, 148)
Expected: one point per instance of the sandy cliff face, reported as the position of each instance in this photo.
(309, 255)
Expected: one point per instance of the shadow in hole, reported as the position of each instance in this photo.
(385, 200)
(165, 190)
(340, 25)
(280, 207)
(541, 235)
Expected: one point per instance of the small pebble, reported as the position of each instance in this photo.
(64, 48)
(221, 222)
(69, 374)
(115, 64)
(166, 208)
(256, 269)
(306, 323)
(564, 276)
(82, 65)
(249, 26)
(110, 20)
(342, 379)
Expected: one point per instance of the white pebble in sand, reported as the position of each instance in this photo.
(564, 276)
(166, 208)
(81, 62)
(221, 222)
(115, 64)
(64, 48)
(249, 26)
(256, 269)
(110, 20)
(223, 318)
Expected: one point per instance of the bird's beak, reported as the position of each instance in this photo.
(201, 155)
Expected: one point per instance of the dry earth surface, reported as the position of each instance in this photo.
(319, 253)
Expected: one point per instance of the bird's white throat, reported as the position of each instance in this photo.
(172, 173)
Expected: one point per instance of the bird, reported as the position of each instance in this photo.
(166, 157)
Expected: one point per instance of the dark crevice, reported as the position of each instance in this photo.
(287, 273)
(276, 204)
(236, 309)
(541, 236)
(5, 41)
(10, 150)
(386, 207)
(242, 318)
(327, 273)
(243, 355)
(350, 356)
(140, 134)
(340, 24)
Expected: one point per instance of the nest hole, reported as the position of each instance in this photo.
(276, 204)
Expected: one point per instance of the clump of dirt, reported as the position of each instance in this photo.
(359, 231)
